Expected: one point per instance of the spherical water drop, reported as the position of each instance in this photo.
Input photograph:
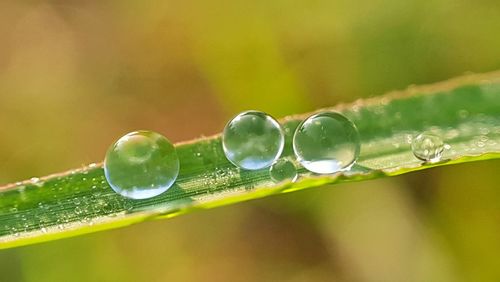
(253, 140)
(141, 165)
(428, 147)
(326, 142)
(283, 170)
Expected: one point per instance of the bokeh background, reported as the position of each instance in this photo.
(75, 75)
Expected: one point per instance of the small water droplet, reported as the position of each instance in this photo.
(428, 147)
(128, 206)
(107, 208)
(326, 142)
(87, 220)
(141, 165)
(253, 140)
(15, 232)
(60, 224)
(283, 170)
(463, 114)
(78, 210)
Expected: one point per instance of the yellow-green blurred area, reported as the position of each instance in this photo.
(76, 75)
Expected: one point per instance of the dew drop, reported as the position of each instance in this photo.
(128, 206)
(253, 140)
(107, 208)
(15, 232)
(78, 210)
(60, 224)
(283, 170)
(76, 201)
(326, 142)
(428, 147)
(141, 165)
(463, 114)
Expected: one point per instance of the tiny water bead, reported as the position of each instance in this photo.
(283, 170)
(428, 147)
(141, 165)
(253, 140)
(326, 142)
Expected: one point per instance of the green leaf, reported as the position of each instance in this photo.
(465, 112)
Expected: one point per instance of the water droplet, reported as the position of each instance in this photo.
(128, 206)
(14, 231)
(253, 140)
(428, 147)
(283, 170)
(141, 165)
(107, 208)
(326, 142)
(463, 114)
(87, 220)
(78, 210)
(60, 224)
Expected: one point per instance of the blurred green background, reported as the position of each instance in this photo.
(75, 75)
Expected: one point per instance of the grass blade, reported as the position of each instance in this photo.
(465, 112)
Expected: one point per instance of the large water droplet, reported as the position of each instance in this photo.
(428, 147)
(283, 170)
(141, 165)
(326, 142)
(253, 140)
